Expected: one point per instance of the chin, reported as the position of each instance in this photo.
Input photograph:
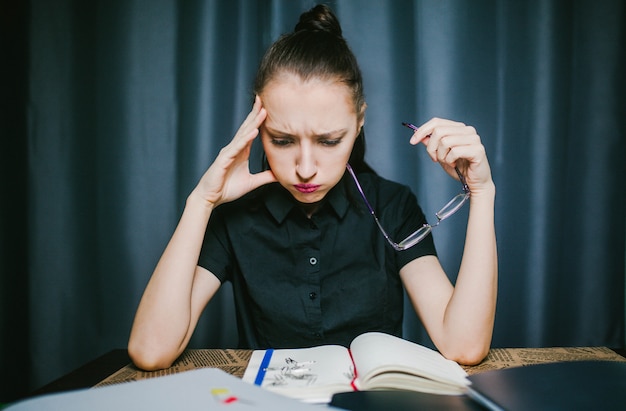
(308, 199)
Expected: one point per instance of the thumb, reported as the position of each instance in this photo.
(262, 178)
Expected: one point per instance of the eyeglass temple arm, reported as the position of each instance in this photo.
(462, 179)
(369, 207)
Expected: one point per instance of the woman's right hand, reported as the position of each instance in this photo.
(229, 176)
(179, 289)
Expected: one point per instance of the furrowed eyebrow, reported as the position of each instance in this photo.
(333, 134)
(277, 132)
(329, 134)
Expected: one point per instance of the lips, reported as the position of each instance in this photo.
(307, 188)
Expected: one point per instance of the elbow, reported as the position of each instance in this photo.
(469, 355)
(148, 359)
(472, 358)
(466, 351)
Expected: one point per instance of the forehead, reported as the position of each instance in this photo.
(293, 102)
(286, 82)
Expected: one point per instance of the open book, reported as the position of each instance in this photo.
(374, 361)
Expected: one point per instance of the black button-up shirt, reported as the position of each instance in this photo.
(301, 281)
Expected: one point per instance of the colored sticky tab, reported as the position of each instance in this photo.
(219, 391)
(229, 400)
(224, 396)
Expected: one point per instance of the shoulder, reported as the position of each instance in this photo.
(392, 201)
(245, 209)
(383, 189)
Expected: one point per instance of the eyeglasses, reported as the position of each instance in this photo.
(452, 207)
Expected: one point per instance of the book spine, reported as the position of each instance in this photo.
(353, 383)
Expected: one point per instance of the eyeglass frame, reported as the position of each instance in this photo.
(455, 204)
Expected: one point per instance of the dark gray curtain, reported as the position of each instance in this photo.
(114, 109)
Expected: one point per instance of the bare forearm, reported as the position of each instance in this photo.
(470, 314)
(162, 322)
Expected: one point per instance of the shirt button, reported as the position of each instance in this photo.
(313, 295)
(312, 260)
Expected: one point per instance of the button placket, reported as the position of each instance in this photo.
(310, 261)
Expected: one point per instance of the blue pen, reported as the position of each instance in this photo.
(263, 368)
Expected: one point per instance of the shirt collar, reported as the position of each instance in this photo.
(280, 203)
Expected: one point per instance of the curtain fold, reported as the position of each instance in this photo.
(130, 101)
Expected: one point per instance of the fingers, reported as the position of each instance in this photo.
(239, 147)
(455, 144)
(229, 176)
(448, 145)
(249, 129)
(262, 178)
(447, 141)
(423, 132)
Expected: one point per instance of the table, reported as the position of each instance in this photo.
(89, 374)
(114, 365)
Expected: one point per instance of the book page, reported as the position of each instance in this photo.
(303, 367)
(307, 373)
(377, 352)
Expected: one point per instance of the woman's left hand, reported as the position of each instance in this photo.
(454, 144)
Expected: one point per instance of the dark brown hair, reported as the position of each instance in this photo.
(317, 49)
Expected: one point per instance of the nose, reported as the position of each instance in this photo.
(306, 166)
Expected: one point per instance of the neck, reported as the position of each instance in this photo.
(310, 208)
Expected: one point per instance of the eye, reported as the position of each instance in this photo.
(281, 142)
(330, 142)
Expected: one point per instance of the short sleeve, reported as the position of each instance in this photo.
(216, 253)
(401, 215)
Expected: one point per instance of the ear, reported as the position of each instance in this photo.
(361, 116)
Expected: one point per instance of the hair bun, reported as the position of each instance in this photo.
(319, 18)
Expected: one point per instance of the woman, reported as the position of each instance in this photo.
(308, 263)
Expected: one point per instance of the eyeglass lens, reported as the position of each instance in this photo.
(452, 206)
(447, 210)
